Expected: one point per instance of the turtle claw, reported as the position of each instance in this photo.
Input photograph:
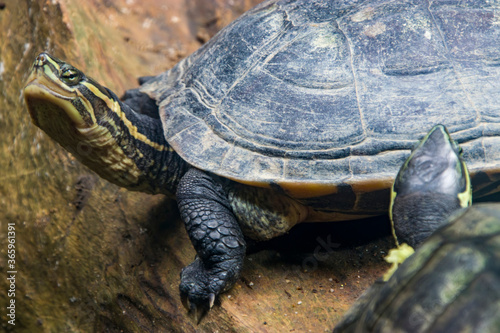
(185, 302)
(197, 311)
(211, 301)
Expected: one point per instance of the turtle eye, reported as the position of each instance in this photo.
(71, 76)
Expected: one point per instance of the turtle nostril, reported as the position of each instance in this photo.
(41, 57)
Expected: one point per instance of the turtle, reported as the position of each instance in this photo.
(451, 282)
(298, 111)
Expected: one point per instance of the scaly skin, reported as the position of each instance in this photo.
(215, 235)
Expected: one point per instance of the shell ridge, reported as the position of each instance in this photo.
(354, 75)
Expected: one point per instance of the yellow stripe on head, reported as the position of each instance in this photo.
(90, 122)
(115, 107)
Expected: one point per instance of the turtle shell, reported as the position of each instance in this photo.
(320, 93)
(450, 284)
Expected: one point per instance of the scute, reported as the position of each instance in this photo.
(330, 92)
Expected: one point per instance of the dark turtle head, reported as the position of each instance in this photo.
(430, 186)
(90, 122)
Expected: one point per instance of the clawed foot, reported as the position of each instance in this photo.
(200, 287)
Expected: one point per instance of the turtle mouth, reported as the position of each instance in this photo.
(46, 99)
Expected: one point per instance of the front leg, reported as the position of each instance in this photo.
(216, 237)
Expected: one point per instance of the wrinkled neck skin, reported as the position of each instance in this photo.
(129, 149)
(417, 215)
